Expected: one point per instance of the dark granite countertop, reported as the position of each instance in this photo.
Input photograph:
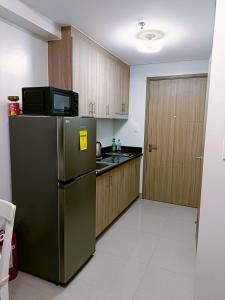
(111, 160)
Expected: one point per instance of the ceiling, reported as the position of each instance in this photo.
(188, 25)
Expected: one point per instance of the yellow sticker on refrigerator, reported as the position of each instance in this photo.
(83, 140)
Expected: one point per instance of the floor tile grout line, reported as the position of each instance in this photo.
(185, 275)
(142, 277)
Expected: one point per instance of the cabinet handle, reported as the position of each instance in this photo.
(94, 108)
(123, 108)
(89, 108)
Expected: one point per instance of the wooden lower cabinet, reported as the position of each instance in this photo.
(115, 190)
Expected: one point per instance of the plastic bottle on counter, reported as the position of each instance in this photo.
(14, 106)
(114, 145)
(119, 147)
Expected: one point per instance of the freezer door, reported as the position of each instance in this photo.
(73, 159)
(77, 224)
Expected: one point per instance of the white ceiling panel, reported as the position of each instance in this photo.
(188, 25)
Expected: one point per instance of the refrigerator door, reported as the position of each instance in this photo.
(33, 145)
(76, 147)
(77, 224)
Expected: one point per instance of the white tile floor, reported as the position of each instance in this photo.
(148, 254)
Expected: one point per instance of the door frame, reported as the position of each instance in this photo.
(147, 103)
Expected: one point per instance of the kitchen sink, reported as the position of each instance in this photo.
(102, 165)
(125, 154)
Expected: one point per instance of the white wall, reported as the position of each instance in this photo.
(23, 62)
(105, 131)
(210, 283)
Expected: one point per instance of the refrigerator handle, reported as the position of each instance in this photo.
(63, 185)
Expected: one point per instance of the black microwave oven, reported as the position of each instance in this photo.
(49, 101)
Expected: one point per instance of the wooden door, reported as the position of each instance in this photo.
(174, 137)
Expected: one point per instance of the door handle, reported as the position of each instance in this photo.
(199, 157)
(152, 147)
(66, 185)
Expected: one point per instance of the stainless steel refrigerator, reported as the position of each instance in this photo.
(54, 189)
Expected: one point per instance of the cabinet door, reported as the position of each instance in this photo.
(111, 88)
(122, 185)
(77, 212)
(112, 202)
(137, 177)
(101, 197)
(99, 84)
(134, 178)
(106, 200)
(85, 76)
(125, 89)
(115, 190)
(80, 78)
(92, 90)
(118, 89)
(122, 81)
(105, 86)
(130, 183)
(102, 86)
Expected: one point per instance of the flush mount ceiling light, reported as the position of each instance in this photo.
(149, 40)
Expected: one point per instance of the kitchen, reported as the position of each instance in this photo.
(24, 60)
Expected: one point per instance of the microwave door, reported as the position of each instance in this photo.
(75, 158)
(61, 103)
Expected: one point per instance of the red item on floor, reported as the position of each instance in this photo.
(13, 269)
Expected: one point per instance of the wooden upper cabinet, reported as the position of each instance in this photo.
(122, 82)
(60, 69)
(102, 80)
